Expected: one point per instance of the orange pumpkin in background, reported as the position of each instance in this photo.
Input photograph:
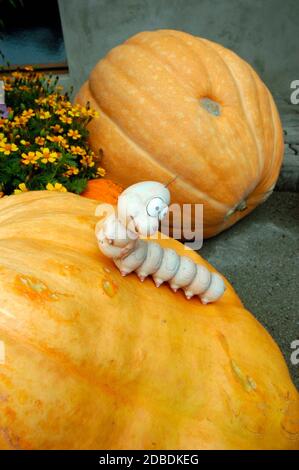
(102, 189)
(174, 104)
(92, 360)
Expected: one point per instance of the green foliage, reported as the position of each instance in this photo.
(43, 140)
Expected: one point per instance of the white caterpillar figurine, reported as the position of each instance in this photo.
(139, 210)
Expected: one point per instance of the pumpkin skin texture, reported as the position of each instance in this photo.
(157, 95)
(97, 361)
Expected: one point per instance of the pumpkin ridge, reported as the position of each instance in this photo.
(210, 45)
(274, 136)
(258, 102)
(151, 100)
(265, 180)
(212, 121)
(214, 169)
(176, 35)
(203, 196)
(179, 38)
(249, 124)
(56, 356)
(166, 64)
(275, 141)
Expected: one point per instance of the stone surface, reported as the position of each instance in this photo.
(289, 175)
(260, 257)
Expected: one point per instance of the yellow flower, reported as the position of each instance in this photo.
(17, 75)
(3, 122)
(7, 148)
(74, 134)
(76, 150)
(71, 171)
(52, 101)
(44, 114)
(19, 121)
(87, 160)
(7, 87)
(101, 171)
(28, 68)
(46, 155)
(74, 113)
(41, 100)
(66, 119)
(22, 189)
(67, 104)
(29, 158)
(39, 140)
(57, 128)
(60, 111)
(56, 187)
(93, 113)
(28, 113)
(89, 112)
(24, 88)
(24, 142)
(58, 139)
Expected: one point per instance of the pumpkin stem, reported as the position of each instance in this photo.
(242, 206)
(211, 106)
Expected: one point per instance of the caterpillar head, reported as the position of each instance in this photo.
(142, 205)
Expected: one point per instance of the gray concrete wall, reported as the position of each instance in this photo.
(264, 32)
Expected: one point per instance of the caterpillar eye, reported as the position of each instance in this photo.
(155, 207)
(163, 213)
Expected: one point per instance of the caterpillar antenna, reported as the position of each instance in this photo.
(171, 181)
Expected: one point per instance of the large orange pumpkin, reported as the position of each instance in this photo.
(174, 104)
(97, 361)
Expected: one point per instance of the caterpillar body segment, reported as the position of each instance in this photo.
(140, 208)
(165, 265)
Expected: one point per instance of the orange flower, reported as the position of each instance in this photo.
(57, 128)
(76, 150)
(17, 75)
(7, 148)
(66, 119)
(60, 111)
(28, 113)
(58, 139)
(71, 171)
(44, 114)
(29, 158)
(87, 160)
(40, 140)
(3, 122)
(47, 156)
(41, 100)
(24, 88)
(74, 134)
(19, 121)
